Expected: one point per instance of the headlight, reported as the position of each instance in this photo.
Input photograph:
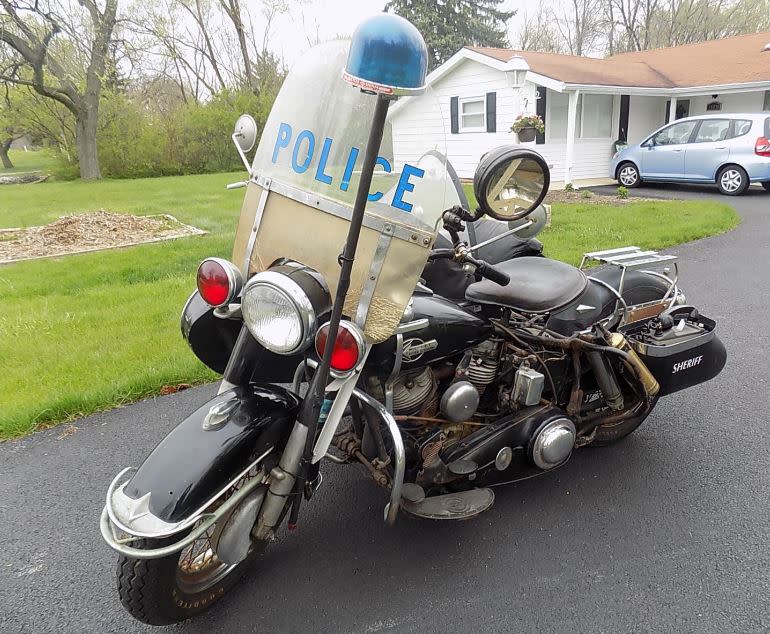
(278, 312)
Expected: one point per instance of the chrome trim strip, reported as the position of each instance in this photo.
(255, 227)
(421, 237)
(178, 526)
(411, 326)
(381, 251)
(652, 350)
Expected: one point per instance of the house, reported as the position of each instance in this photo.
(587, 103)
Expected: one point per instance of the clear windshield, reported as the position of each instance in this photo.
(306, 173)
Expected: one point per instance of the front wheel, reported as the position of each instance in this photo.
(179, 586)
(733, 180)
(628, 175)
(766, 185)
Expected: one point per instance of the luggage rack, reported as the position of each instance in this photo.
(626, 258)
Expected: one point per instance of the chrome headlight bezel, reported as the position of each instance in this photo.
(296, 296)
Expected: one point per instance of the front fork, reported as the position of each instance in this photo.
(240, 368)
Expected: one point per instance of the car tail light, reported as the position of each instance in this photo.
(762, 147)
(219, 282)
(348, 346)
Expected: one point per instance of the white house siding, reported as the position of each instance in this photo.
(731, 102)
(425, 124)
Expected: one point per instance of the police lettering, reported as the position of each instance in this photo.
(299, 154)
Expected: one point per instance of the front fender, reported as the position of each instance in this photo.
(193, 464)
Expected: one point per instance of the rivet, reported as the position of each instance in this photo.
(371, 277)
(426, 241)
(413, 236)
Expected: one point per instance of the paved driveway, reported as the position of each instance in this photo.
(666, 532)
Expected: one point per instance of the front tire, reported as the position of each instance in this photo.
(732, 180)
(766, 185)
(179, 586)
(628, 175)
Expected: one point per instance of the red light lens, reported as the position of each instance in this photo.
(213, 283)
(762, 147)
(346, 351)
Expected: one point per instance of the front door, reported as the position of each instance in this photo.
(665, 155)
(709, 149)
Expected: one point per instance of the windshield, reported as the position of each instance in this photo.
(305, 176)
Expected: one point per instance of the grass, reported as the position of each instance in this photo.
(33, 161)
(88, 332)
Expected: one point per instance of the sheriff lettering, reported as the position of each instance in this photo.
(686, 365)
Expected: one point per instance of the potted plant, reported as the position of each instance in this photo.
(526, 126)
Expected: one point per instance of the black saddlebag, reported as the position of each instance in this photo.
(679, 355)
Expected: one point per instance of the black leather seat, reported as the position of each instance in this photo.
(538, 285)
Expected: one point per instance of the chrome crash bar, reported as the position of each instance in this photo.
(399, 455)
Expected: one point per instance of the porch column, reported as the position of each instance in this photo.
(672, 110)
(571, 130)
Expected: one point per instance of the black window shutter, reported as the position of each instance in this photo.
(454, 107)
(625, 103)
(491, 112)
(540, 105)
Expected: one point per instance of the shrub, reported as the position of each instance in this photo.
(569, 187)
(622, 192)
(586, 194)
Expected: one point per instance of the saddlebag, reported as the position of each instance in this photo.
(681, 349)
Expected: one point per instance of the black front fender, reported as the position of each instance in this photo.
(193, 463)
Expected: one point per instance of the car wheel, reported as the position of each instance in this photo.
(733, 180)
(766, 185)
(628, 175)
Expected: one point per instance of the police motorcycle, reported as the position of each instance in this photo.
(439, 397)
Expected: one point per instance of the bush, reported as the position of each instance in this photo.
(586, 194)
(569, 187)
(622, 192)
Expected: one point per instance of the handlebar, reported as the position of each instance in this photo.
(484, 269)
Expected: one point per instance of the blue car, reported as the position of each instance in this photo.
(730, 150)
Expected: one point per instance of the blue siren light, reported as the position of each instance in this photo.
(387, 56)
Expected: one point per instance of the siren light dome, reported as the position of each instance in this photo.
(387, 55)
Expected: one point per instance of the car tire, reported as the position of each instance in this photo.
(732, 180)
(766, 185)
(628, 175)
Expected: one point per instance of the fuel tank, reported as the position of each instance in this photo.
(451, 329)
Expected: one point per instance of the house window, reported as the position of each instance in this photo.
(766, 107)
(594, 116)
(473, 117)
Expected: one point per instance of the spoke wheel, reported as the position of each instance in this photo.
(733, 181)
(628, 175)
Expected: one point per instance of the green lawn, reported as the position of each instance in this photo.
(32, 161)
(87, 332)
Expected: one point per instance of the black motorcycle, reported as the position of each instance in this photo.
(341, 338)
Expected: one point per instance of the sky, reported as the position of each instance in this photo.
(340, 17)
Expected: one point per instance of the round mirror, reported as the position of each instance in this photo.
(511, 182)
(245, 133)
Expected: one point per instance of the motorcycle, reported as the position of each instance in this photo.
(336, 345)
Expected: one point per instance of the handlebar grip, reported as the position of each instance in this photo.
(491, 273)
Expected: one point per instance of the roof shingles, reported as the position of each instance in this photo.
(734, 60)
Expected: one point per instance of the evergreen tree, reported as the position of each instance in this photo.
(448, 25)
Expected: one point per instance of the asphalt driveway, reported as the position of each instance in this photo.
(668, 531)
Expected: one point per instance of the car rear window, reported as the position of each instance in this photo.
(741, 127)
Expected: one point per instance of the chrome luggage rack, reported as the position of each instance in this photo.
(627, 258)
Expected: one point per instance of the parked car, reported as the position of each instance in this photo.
(731, 150)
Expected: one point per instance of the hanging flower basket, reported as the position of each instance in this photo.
(527, 126)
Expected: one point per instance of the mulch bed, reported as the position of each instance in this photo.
(79, 233)
(561, 196)
(23, 179)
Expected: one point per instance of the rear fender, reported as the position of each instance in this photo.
(199, 459)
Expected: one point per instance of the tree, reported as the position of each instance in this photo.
(65, 52)
(538, 32)
(580, 26)
(448, 25)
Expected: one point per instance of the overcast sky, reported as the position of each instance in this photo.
(340, 17)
